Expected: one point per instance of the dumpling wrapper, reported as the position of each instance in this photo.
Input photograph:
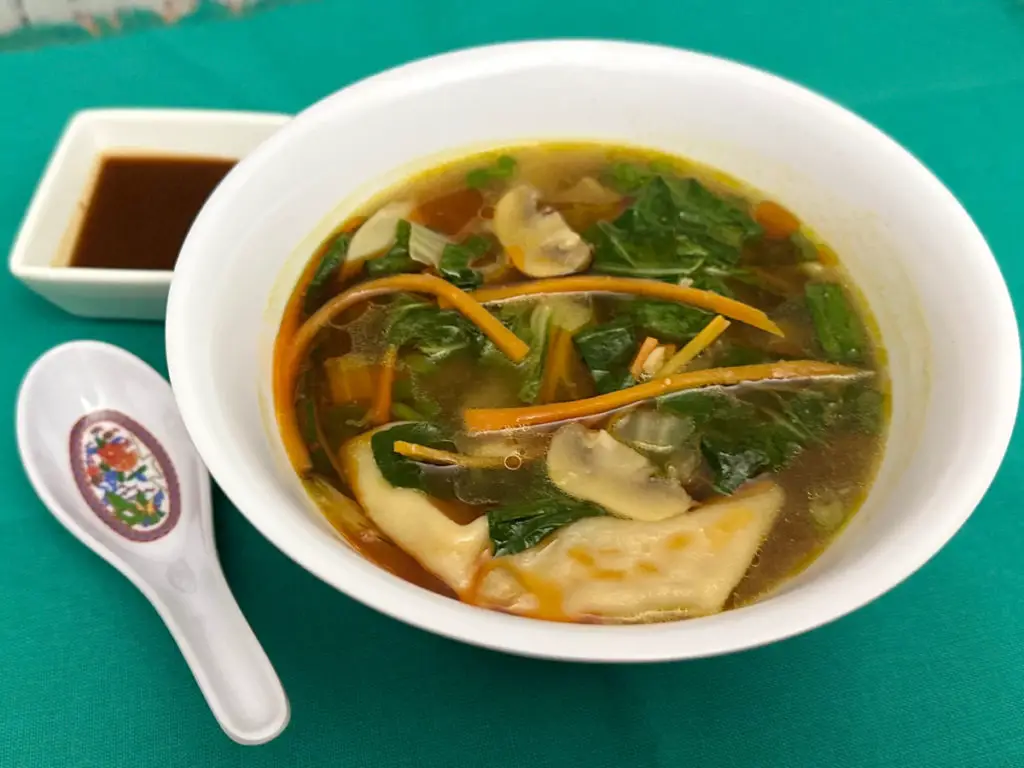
(632, 570)
(450, 551)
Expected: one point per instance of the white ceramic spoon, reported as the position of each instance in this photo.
(103, 444)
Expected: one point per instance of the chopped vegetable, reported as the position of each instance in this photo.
(533, 365)
(378, 233)
(429, 455)
(436, 333)
(499, 419)
(654, 289)
(697, 344)
(667, 320)
(777, 222)
(839, 330)
(502, 169)
(454, 265)
(350, 378)
(516, 527)
(380, 411)
(607, 351)
(328, 267)
(636, 368)
(652, 432)
(402, 472)
(398, 259)
(556, 368)
(427, 246)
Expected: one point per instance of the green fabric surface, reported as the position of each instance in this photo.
(930, 675)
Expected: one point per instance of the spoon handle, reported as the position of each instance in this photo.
(233, 672)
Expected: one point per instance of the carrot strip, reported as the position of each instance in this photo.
(654, 289)
(637, 366)
(559, 349)
(778, 222)
(429, 455)
(695, 346)
(498, 419)
(380, 411)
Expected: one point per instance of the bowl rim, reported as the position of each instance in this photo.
(792, 613)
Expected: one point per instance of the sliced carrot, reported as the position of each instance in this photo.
(350, 379)
(695, 346)
(556, 365)
(637, 366)
(778, 222)
(380, 411)
(654, 289)
(429, 455)
(498, 419)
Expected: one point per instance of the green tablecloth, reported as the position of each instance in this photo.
(930, 675)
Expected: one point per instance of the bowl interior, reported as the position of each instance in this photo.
(907, 243)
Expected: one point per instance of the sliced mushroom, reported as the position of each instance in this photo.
(594, 466)
(539, 242)
(450, 551)
(628, 570)
(377, 233)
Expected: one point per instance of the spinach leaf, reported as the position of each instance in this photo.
(742, 438)
(397, 259)
(503, 168)
(607, 350)
(402, 472)
(455, 260)
(668, 321)
(516, 527)
(675, 228)
(839, 330)
(436, 333)
(328, 267)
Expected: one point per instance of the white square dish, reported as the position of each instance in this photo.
(43, 246)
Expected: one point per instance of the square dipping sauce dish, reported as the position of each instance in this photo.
(53, 230)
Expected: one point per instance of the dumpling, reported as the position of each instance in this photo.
(450, 551)
(633, 570)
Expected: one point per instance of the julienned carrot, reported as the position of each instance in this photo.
(695, 346)
(380, 411)
(654, 289)
(637, 366)
(429, 455)
(497, 419)
(555, 365)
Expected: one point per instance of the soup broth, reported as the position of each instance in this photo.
(581, 383)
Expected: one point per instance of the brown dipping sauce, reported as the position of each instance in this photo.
(141, 208)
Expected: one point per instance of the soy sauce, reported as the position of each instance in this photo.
(141, 208)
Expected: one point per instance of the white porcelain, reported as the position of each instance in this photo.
(931, 281)
(87, 387)
(43, 245)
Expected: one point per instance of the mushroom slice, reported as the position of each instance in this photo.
(450, 551)
(539, 243)
(628, 570)
(594, 466)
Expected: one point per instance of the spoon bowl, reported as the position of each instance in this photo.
(105, 449)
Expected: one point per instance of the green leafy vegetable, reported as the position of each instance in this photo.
(455, 260)
(839, 330)
(607, 351)
(328, 267)
(533, 366)
(516, 527)
(402, 472)
(435, 333)
(676, 228)
(341, 422)
(306, 415)
(503, 168)
(743, 438)
(668, 321)
(397, 259)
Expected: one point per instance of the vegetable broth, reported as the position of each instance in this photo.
(715, 383)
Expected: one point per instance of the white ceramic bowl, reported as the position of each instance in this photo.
(926, 271)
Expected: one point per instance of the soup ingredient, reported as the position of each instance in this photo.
(455, 262)
(397, 259)
(350, 378)
(652, 432)
(606, 567)
(448, 550)
(379, 232)
(586, 191)
(516, 527)
(325, 272)
(695, 346)
(539, 242)
(434, 333)
(838, 328)
(636, 368)
(503, 168)
(426, 246)
(141, 209)
(440, 457)
(380, 411)
(654, 289)
(777, 222)
(607, 351)
(594, 466)
(498, 419)
(675, 228)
